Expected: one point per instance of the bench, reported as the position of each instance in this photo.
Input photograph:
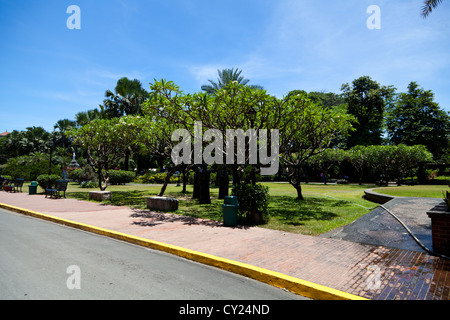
(16, 187)
(60, 186)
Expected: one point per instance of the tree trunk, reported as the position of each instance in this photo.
(224, 183)
(236, 176)
(102, 181)
(294, 179)
(127, 159)
(299, 192)
(166, 181)
(196, 191)
(185, 180)
(204, 196)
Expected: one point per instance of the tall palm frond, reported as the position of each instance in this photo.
(127, 98)
(227, 76)
(428, 7)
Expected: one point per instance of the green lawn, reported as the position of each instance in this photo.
(425, 191)
(325, 206)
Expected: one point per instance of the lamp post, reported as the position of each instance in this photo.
(252, 117)
(50, 144)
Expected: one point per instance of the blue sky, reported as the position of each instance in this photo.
(49, 72)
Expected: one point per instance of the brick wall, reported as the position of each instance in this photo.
(440, 226)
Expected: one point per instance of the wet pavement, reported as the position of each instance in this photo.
(378, 227)
(373, 257)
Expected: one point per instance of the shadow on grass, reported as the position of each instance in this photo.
(291, 211)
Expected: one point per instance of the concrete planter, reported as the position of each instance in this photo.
(440, 228)
(100, 195)
(162, 203)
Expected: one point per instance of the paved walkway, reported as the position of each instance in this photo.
(372, 271)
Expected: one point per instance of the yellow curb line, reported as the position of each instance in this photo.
(292, 284)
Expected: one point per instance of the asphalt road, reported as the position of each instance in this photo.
(46, 261)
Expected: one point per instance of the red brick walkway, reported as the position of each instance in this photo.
(370, 271)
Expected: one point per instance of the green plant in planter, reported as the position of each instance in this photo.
(46, 181)
(252, 201)
(447, 199)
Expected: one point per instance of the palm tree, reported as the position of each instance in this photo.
(84, 117)
(428, 7)
(37, 138)
(59, 133)
(64, 125)
(227, 76)
(126, 99)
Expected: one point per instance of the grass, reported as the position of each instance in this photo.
(425, 191)
(325, 206)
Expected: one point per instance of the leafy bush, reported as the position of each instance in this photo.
(75, 174)
(46, 181)
(155, 178)
(121, 176)
(28, 168)
(251, 198)
(84, 174)
(88, 184)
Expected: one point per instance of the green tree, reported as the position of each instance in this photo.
(59, 134)
(415, 119)
(428, 7)
(106, 142)
(327, 160)
(305, 128)
(327, 99)
(357, 156)
(395, 162)
(84, 117)
(127, 98)
(307, 131)
(227, 76)
(366, 101)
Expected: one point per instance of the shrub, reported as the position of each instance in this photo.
(75, 175)
(121, 176)
(46, 181)
(155, 178)
(84, 174)
(251, 198)
(88, 184)
(24, 167)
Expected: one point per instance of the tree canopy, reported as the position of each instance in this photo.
(416, 119)
(367, 100)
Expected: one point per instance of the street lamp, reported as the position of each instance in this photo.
(50, 144)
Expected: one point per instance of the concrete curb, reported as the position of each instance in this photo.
(376, 197)
(295, 285)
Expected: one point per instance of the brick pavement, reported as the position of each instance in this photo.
(371, 271)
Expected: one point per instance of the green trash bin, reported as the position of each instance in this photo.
(230, 211)
(32, 188)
